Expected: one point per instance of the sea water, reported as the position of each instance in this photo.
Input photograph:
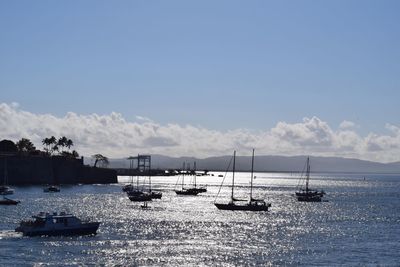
(358, 225)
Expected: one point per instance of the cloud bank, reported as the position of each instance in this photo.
(114, 136)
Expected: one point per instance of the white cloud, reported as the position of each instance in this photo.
(114, 136)
(347, 125)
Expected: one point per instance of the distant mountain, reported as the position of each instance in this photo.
(267, 163)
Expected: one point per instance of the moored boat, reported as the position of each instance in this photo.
(236, 204)
(141, 193)
(139, 196)
(306, 194)
(62, 224)
(51, 189)
(4, 189)
(7, 201)
(194, 190)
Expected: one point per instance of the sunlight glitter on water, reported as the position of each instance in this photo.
(179, 230)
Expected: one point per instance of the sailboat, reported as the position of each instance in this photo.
(4, 189)
(137, 194)
(52, 188)
(306, 194)
(191, 191)
(154, 194)
(252, 204)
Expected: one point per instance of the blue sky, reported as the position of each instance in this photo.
(221, 65)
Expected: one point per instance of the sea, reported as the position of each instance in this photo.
(358, 224)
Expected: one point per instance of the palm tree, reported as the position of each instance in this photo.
(62, 142)
(46, 143)
(52, 144)
(69, 143)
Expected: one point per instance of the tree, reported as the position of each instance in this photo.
(62, 142)
(25, 145)
(75, 154)
(69, 143)
(99, 158)
(50, 144)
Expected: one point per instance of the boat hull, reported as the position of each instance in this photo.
(86, 229)
(51, 190)
(187, 192)
(314, 198)
(310, 196)
(138, 196)
(8, 202)
(242, 207)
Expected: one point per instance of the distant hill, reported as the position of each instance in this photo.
(268, 163)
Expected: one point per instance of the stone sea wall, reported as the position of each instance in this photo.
(26, 170)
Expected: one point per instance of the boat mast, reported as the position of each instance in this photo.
(308, 173)
(149, 170)
(251, 181)
(194, 173)
(5, 171)
(183, 175)
(233, 173)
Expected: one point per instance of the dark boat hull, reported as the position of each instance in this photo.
(51, 190)
(310, 196)
(139, 196)
(8, 202)
(314, 198)
(187, 192)
(242, 207)
(89, 229)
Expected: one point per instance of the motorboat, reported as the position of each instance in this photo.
(57, 224)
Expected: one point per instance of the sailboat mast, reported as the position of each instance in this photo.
(194, 174)
(308, 173)
(233, 173)
(183, 175)
(251, 181)
(5, 170)
(149, 170)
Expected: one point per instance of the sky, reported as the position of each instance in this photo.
(201, 78)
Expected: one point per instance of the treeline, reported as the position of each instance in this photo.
(52, 146)
(61, 146)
